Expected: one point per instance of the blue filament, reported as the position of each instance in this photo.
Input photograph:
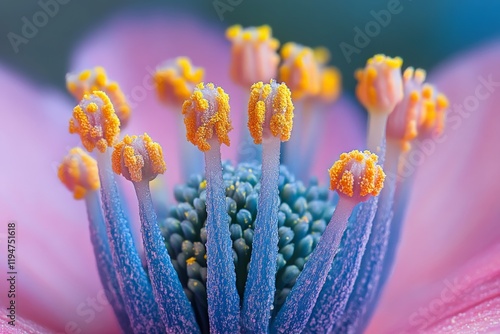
(297, 309)
(175, 309)
(260, 286)
(223, 298)
(340, 282)
(365, 289)
(134, 284)
(104, 261)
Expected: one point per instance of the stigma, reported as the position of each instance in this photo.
(138, 158)
(357, 175)
(207, 116)
(95, 120)
(270, 111)
(78, 172)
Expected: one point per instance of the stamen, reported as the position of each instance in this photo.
(88, 81)
(128, 158)
(78, 172)
(94, 119)
(207, 124)
(207, 114)
(379, 89)
(140, 160)
(355, 177)
(380, 251)
(253, 54)
(98, 126)
(270, 111)
(402, 122)
(270, 121)
(175, 80)
(300, 70)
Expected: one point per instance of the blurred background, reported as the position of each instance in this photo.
(424, 33)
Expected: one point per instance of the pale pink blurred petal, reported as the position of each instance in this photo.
(56, 270)
(466, 301)
(131, 45)
(454, 213)
(344, 129)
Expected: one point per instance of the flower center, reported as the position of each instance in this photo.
(303, 215)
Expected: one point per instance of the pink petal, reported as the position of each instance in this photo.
(454, 212)
(130, 47)
(54, 259)
(18, 325)
(467, 301)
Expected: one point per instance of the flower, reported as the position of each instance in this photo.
(59, 278)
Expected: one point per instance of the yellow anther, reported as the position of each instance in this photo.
(138, 158)
(331, 84)
(380, 84)
(89, 81)
(433, 113)
(357, 175)
(191, 261)
(253, 54)
(175, 80)
(78, 172)
(287, 50)
(300, 70)
(97, 128)
(420, 75)
(264, 33)
(270, 111)
(427, 91)
(92, 107)
(206, 114)
(322, 55)
(85, 75)
(233, 31)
